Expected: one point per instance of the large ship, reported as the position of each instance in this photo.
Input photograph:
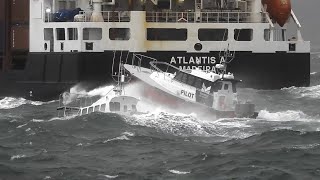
(59, 43)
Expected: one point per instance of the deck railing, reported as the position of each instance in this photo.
(108, 16)
(206, 17)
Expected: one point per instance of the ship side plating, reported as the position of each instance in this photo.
(67, 49)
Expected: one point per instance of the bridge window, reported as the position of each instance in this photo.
(48, 34)
(61, 35)
(114, 106)
(243, 34)
(166, 34)
(119, 33)
(90, 109)
(96, 108)
(216, 86)
(103, 108)
(92, 33)
(213, 34)
(73, 33)
(267, 34)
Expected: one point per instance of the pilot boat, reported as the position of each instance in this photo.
(212, 92)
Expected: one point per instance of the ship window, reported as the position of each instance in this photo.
(92, 33)
(125, 108)
(119, 33)
(103, 108)
(216, 86)
(62, 4)
(198, 83)
(166, 34)
(243, 34)
(73, 33)
(184, 78)
(114, 106)
(96, 108)
(213, 34)
(178, 77)
(48, 34)
(134, 108)
(234, 88)
(190, 80)
(267, 34)
(84, 111)
(90, 109)
(226, 86)
(61, 35)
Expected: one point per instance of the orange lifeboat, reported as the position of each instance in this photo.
(279, 10)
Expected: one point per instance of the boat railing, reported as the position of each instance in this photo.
(206, 17)
(108, 16)
(73, 100)
(139, 59)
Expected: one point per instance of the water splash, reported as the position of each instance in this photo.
(301, 92)
(10, 102)
(289, 115)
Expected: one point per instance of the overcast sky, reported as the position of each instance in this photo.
(308, 13)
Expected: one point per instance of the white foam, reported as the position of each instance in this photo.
(300, 92)
(125, 136)
(109, 176)
(305, 146)
(19, 156)
(179, 172)
(288, 115)
(313, 73)
(37, 120)
(47, 177)
(20, 126)
(29, 129)
(10, 102)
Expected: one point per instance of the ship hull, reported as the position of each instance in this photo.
(49, 74)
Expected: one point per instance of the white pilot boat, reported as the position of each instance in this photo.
(115, 101)
(190, 90)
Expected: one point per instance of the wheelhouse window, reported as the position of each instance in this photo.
(61, 35)
(90, 109)
(243, 34)
(213, 34)
(92, 33)
(166, 34)
(103, 108)
(267, 34)
(96, 108)
(114, 106)
(119, 33)
(72, 34)
(216, 86)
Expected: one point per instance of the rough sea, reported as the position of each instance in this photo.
(282, 143)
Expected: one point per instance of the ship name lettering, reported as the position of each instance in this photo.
(193, 60)
(187, 94)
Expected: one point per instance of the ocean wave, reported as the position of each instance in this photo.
(179, 172)
(10, 102)
(288, 115)
(109, 176)
(19, 156)
(184, 125)
(301, 92)
(124, 136)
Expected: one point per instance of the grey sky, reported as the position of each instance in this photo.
(308, 13)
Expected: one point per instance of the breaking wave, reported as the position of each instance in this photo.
(302, 92)
(289, 115)
(10, 102)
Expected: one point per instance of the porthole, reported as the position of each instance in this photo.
(198, 46)
(45, 46)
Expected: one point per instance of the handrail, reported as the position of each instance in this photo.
(204, 17)
(108, 16)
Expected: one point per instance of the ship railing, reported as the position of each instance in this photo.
(139, 59)
(73, 100)
(206, 17)
(108, 16)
